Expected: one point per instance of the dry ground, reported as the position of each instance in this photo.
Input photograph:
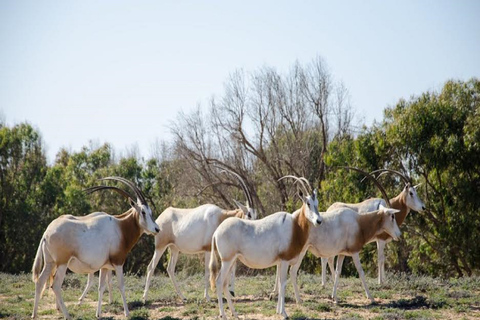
(402, 297)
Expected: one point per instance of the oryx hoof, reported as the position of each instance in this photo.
(232, 293)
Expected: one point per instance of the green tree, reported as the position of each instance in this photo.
(22, 202)
(437, 135)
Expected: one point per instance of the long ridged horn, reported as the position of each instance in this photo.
(305, 190)
(242, 184)
(135, 189)
(375, 181)
(385, 171)
(118, 190)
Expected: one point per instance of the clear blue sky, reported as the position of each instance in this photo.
(120, 71)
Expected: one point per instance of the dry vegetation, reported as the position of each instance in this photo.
(402, 297)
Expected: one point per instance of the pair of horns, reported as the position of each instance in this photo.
(382, 172)
(242, 184)
(371, 176)
(304, 184)
(138, 193)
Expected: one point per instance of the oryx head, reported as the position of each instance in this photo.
(411, 198)
(409, 193)
(309, 199)
(145, 216)
(389, 223)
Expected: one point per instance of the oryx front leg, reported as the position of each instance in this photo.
(101, 289)
(358, 265)
(151, 270)
(174, 252)
(381, 261)
(338, 272)
(231, 283)
(110, 286)
(294, 275)
(275, 286)
(207, 274)
(121, 287)
(282, 283)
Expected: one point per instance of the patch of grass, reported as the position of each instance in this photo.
(419, 314)
(139, 314)
(402, 297)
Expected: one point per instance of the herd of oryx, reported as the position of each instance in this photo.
(100, 241)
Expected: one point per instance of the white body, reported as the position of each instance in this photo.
(100, 242)
(189, 231)
(277, 239)
(407, 200)
(91, 276)
(345, 232)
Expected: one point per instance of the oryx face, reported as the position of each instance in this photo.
(312, 214)
(390, 225)
(145, 218)
(413, 201)
(249, 213)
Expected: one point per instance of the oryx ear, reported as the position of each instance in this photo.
(241, 206)
(314, 194)
(388, 210)
(418, 185)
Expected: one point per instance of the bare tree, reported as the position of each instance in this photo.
(265, 125)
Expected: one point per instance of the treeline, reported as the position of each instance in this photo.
(264, 126)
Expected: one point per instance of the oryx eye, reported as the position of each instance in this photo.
(411, 193)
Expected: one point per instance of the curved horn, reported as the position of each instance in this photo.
(384, 171)
(135, 189)
(309, 187)
(305, 190)
(118, 190)
(242, 184)
(375, 181)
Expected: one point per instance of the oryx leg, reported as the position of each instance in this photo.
(207, 275)
(121, 287)
(381, 261)
(358, 265)
(174, 252)
(282, 283)
(101, 289)
(231, 283)
(338, 272)
(40, 285)
(293, 276)
(274, 293)
(324, 271)
(57, 288)
(110, 286)
(222, 287)
(90, 279)
(151, 269)
(331, 265)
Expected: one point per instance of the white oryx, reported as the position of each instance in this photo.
(87, 245)
(190, 231)
(277, 239)
(344, 232)
(407, 200)
(91, 276)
